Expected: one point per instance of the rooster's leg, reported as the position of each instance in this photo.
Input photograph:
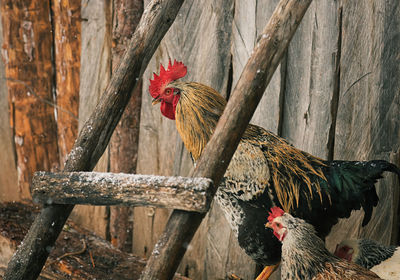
(267, 271)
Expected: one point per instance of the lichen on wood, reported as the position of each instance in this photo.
(98, 188)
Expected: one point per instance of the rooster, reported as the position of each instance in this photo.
(304, 255)
(381, 259)
(266, 171)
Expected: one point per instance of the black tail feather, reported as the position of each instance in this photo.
(387, 166)
(355, 183)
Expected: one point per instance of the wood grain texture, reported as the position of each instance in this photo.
(66, 22)
(368, 124)
(248, 23)
(9, 190)
(98, 188)
(310, 79)
(237, 114)
(94, 135)
(27, 45)
(95, 74)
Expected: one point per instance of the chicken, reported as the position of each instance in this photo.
(381, 259)
(265, 170)
(304, 255)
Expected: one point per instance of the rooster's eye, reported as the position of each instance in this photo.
(168, 91)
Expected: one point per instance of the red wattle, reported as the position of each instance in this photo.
(168, 110)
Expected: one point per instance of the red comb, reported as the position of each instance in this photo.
(173, 72)
(275, 212)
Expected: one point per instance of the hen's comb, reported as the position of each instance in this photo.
(173, 72)
(275, 212)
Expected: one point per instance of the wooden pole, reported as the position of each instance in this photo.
(98, 188)
(255, 77)
(93, 138)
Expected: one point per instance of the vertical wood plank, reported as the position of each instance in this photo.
(157, 139)
(67, 46)
(27, 51)
(95, 73)
(249, 21)
(8, 169)
(368, 121)
(310, 79)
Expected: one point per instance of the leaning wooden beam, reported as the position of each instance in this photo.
(93, 138)
(98, 188)
(256, 75)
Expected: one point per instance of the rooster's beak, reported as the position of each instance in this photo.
(155, 101)
(268, 225)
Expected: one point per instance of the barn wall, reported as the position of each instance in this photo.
(249, 21)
